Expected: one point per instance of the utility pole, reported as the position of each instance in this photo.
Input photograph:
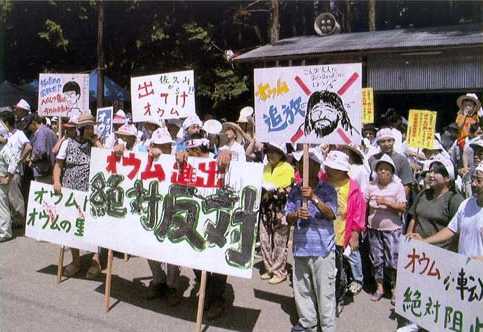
(371, 11)
(275, 29)
(100, 54)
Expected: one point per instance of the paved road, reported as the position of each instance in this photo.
(30, 300)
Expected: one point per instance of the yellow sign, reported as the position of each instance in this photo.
(367, 105)
(421, 129)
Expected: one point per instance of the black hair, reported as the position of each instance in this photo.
(71, 86)
(385, 162)
(8, 118)
(438, 168)
(332, 99)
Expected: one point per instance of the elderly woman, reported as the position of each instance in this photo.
(71, 170)
(278, 175)
(386, 200)
(434, 208)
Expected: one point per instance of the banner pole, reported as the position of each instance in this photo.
(305, 175)
(60, 265)
(201, 302)
(107, 292)
(59, 130)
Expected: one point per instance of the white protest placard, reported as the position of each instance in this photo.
(439, 290)
(104, 121)
(163, 96)
(187, 217)
(309, 104)
(63, 94)
(57, 218)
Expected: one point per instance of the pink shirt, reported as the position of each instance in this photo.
(380, 216)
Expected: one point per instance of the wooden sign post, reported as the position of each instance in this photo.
(201, 302)
(107, 291)
(60, 264)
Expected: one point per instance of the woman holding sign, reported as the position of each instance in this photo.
(71, 170)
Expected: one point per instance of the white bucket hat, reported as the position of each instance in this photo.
(282, 148)
(127, 130)
(161, 136)
(119, 117)
(388, 160)
(191, 120)
(448, 165)
(337, 160)
(384, 133)
(23, 105)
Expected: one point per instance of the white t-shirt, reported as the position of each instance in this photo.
(468, 222)
(62, 153)
(13, 149)
(237, 151)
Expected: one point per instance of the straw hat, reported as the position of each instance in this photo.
(469, 96)
(85, 119)
(240, 134)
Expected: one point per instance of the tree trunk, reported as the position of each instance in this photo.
(100, 54)
(371, 11)
(275, 29)
(348, 16)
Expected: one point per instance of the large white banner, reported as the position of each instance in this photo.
(309, 104)
(63, 94)
(439, 290)
(163, 96)
(57, 218)
(187, 216)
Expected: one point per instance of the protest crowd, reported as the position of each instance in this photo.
(344, 224)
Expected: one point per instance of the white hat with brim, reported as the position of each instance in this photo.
(192, 120)
(212, 127)
(240, 134)
(448, 165)
(384, 133)
(245, 113)
(127, 130)
(85, 119)
(155, 122)
(119, 117)
(469, 96)
(161, 136)
(337, 160)
(386, 159)
(23, 105)
(282, 148)
(314, 154)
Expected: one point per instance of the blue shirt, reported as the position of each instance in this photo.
(314, 236)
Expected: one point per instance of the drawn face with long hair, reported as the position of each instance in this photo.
(325, 112)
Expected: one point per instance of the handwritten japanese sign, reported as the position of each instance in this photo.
(367, 105)
(163, 96)
(193, 216)
(439, 290)
(309, 104)
(104, 121)
(57, 218)
(421, 129)
(63, 94)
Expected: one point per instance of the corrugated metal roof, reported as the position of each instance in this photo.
(434, 37)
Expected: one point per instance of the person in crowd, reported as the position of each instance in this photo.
(71, 170)
(144, 135)
(126, 139)
(22, 108)
(192, 125)
(15, 152)
(165, 276)
(360, 170)
(434, 208)
(386, 200)
(233, 135)
(449, 136)
(393, 121)
(351, 213)
(468, 106)
(467, 222)
(385, 139)
(312, 210)
(278, 175)
(43, 141)
(119, 119)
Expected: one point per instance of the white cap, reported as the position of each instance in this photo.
(127, 130)
(119, 117)
(23, 105)
(338, 160)
(448, 165)
(191, 120)
(282, 148)
(161, 136)
(384, 133)
(386, 159)
(314, 153)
